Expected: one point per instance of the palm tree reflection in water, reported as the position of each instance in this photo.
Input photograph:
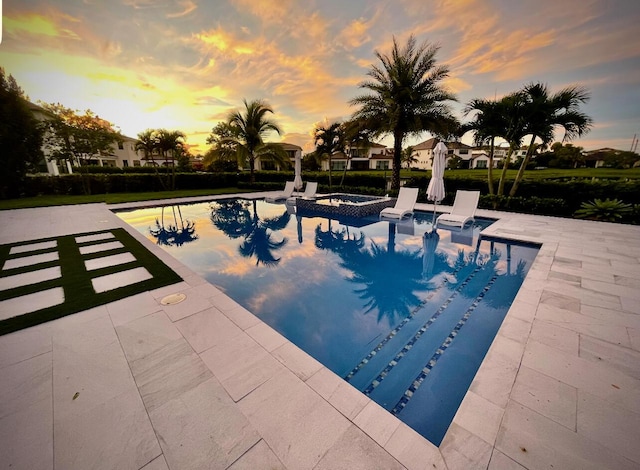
(235, 220)
(392, 280)
(389, 279)
(173, 234)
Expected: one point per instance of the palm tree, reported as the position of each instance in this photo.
(250, 128)
(488, 123)
(545, 112)
(170, 144)
(148, 144)
(409, 156)
(407, 97)
(328, 139)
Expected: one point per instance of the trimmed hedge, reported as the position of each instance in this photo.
(124, 183)
(543, 197)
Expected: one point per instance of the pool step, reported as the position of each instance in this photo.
(393, 374)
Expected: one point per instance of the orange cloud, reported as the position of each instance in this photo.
(187, 6)
(356, 33)
(269, 11)
(37, 25)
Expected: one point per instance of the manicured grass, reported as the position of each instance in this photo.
(553, 173)
(76, 282)
(115, 198)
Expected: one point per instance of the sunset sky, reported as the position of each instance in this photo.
(184, 64)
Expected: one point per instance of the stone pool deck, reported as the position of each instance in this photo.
(204, 384)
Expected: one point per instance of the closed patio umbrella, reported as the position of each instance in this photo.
(435, 191)
(297, 181)
(429, 244)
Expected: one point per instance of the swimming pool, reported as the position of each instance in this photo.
(404, 313)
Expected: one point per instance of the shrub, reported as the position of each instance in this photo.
(609, 210)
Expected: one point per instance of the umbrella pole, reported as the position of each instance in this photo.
(433, 219)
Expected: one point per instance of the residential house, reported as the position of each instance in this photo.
(424, 152)
(292, 150)
(122, 154)
(361, 157)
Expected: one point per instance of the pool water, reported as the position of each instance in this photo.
(402, 312)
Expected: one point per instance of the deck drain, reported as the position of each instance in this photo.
(173, 299)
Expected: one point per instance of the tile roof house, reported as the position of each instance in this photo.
(371, 157)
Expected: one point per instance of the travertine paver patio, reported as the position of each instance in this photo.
(205, 384)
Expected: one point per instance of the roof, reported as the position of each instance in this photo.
(431, 143)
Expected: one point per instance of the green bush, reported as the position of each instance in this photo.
(608, 210)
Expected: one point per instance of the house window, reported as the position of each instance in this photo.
(125, 163)
(464, 151)
(382, 165)
(136, 163)
(481, 164)
(120, 145)
(338, 166)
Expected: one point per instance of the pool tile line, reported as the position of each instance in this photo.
(407, 347)
(417, 382)
(395, 331)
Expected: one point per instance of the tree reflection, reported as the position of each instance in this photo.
(173, 234)
(236, 220)
(389, 278)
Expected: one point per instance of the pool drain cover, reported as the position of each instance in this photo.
(173, 299)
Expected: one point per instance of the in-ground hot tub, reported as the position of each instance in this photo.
(347, 205)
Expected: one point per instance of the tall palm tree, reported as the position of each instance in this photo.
(250, 128)
(488, 123)
(328, 139)
(148, 145)
(170, 144)
(545, 112)
(407, 97)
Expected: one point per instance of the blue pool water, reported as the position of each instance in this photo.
(403, 313)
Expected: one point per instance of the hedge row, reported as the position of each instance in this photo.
(124, 183)
(544, 197)
(563, 198)
(322, 177)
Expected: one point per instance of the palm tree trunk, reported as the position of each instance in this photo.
(523, 166)
(252, 166)
(344, 173)
(155, 169)
(503, 176)
(490, 169)
(398, 136)
(173, 170)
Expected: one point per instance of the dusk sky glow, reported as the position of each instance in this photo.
(184, 64)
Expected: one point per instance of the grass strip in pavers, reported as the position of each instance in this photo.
(76, 280)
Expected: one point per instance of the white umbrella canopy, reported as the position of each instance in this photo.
(435, 190)
(429, 244)
(297, 181)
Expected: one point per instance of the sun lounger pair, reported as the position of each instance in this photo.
(463, 211)
(309, 192)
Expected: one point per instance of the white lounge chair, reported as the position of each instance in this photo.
(284, 195)
(310, 190)
(404, 204)
(464, 209)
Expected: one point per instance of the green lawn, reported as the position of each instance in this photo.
(554, 173)
(115, 198)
